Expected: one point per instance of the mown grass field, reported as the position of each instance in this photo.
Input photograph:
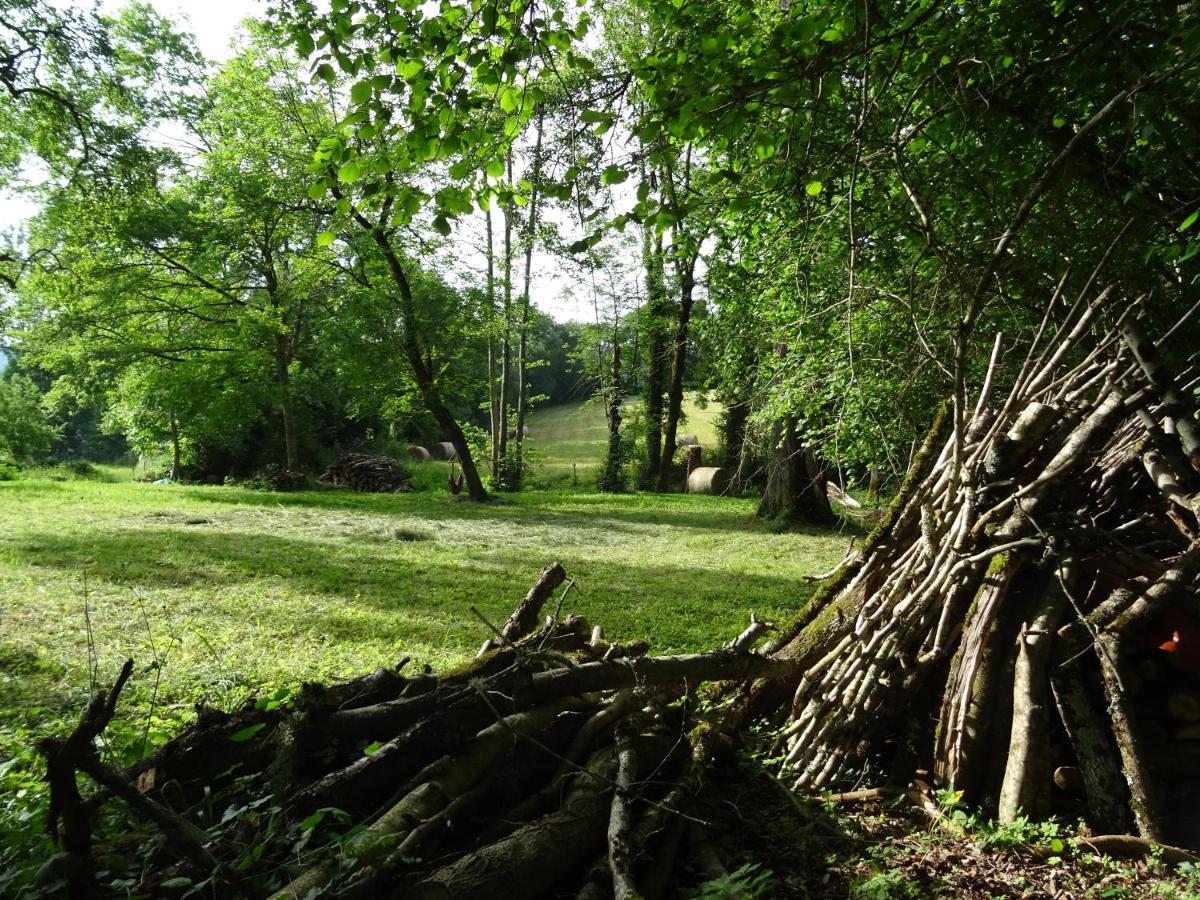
(568, 440)
(220, 592)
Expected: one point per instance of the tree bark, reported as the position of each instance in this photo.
(612, 479)
(493, 398)
(796, 490)
(687, 284)
(411, 345)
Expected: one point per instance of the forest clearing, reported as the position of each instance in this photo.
(642, 449)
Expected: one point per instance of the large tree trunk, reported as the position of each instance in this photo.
(795, 492)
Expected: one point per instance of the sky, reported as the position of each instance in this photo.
(214, 24)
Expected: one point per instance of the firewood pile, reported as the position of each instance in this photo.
(1042, 542)
(1004, 630)
(555, 758)
(368, 473)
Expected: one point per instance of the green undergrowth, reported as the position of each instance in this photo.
(223, 592)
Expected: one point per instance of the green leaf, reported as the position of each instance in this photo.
(350, 172)
(318, 189)
(613, 175)
(409, 68)
(361, 92)
(1058, 122)
(764, 150)
(312, 821)
(1189, 221)
(495, 168)
(245, 734)
(509, 99)
(831, 34)
(325, 238)
(179, 882)
(371, 747)
(813, 188)
(441, 226)
(1057, 846)
(304, 43)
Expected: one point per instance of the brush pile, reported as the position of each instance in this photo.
(1019, 593)
(372, 473)
(1032, 584)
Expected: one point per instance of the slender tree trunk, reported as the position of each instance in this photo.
(284, 380)
(612, 480)
(493, 399)
(687, 284)
(176, 455)
(501, 473)
(422, 374)
(656, 351)
(523, 344)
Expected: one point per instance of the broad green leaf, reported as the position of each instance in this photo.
(1058, 122)
(245, 734)
(441, 226)
(813, 188)
(371, 747)
(613, 175)
(350, 172)
(495, 168)
(325, 238)
(304, 43)
(361, 92)
(1189, 221)
(318, 189)
(409, 68)
(314, 820)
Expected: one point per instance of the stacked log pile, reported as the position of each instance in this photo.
(368, 473)
(997, 627)
(554, 755)
(1028, 553)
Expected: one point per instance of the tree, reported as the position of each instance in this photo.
(422, 85)
(26, 434)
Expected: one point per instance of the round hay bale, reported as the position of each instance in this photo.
(708, 480)
(444, 450)
(419, 454)
(687, 440)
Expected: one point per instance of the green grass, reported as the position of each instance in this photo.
(568, 440)
(236, 590)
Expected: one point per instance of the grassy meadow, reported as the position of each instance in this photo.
(222, 592)
(567, 440)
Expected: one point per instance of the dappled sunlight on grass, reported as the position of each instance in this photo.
(233, 590)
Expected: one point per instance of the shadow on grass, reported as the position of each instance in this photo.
(597, 511)
(419, 588)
